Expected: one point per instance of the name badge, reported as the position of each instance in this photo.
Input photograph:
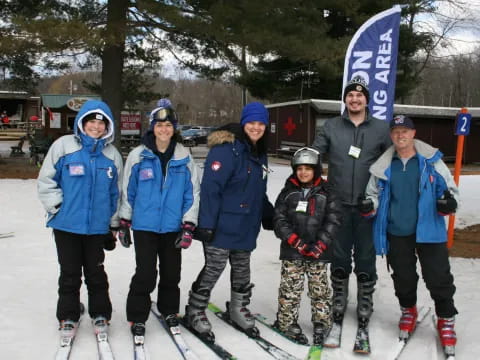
(146, 174)
(302, 206)
(76, 170)
(354, 151)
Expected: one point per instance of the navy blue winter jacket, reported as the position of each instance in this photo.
(233, 191)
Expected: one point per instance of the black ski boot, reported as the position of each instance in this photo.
(293, 332)
(320, 331)
(340, 294)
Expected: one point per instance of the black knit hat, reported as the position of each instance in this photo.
(358, 83)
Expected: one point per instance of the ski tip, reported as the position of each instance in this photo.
(315, 352)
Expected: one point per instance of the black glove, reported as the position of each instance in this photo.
(267, 215)
(301, 246)
(317, 250)
(124, 233)
(185, 237)
(267, 223)
(365, 206)
(204, 235)
(447, 204)
(109, 241)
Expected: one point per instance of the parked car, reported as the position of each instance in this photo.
(193, 137)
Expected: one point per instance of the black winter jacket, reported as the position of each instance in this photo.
(320, 222)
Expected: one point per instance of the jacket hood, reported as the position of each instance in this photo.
(430, 153)
(95, 106)
(225, 134)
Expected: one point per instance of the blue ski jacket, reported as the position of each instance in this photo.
(158, 203)
(80, 179)
(435, 178)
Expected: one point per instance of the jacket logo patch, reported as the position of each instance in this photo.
(216, 165)
(110, 172)
(76, 170)
(146, 174)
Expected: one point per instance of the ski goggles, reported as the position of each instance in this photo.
(164, 114)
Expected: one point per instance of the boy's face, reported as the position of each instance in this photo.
(305, 173)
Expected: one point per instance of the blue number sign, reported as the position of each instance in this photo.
(463, 124)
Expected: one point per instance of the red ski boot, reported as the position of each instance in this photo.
(447, 335)
(408, 321)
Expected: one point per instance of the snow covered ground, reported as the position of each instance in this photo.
(28, 283)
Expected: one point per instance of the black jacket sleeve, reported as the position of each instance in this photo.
(281, 225)
(332, 218)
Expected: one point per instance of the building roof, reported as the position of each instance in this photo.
(410, 110)
(22, 95)
(56, 101)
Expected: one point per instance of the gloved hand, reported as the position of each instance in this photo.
(295, 242)
(124, 233)
(185, 237)
(447, 204)
(204, 235)
(109, 241)
(318, 249)
(365, 206)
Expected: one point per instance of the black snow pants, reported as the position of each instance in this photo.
(148, 247)
(402, 257)
(78, 252)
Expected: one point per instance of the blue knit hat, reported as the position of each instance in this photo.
(163, 112)
(254, 111)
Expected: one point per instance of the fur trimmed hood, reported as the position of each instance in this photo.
(227, 134)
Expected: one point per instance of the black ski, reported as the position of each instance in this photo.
(314, 352)
(262, 319)
(175, 335)
(362, 340)
(220, 351)
(6, 235)
(273, 350)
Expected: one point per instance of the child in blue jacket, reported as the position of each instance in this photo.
(79, 187)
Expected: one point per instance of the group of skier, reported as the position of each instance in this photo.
(380, 198)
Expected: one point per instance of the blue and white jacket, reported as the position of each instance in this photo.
(435, 178)
(80, 179)
(158, 203)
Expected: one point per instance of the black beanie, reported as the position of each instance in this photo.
(358, 83)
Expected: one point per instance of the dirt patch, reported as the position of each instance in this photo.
(466, 243)
(17, 168)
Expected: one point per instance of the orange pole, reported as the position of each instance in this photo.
(456, 178)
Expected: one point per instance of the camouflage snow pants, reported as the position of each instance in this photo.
(291, 288)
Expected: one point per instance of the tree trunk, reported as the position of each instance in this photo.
(112, 60)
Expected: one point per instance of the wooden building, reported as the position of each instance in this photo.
(294, 124)
(20, 106)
